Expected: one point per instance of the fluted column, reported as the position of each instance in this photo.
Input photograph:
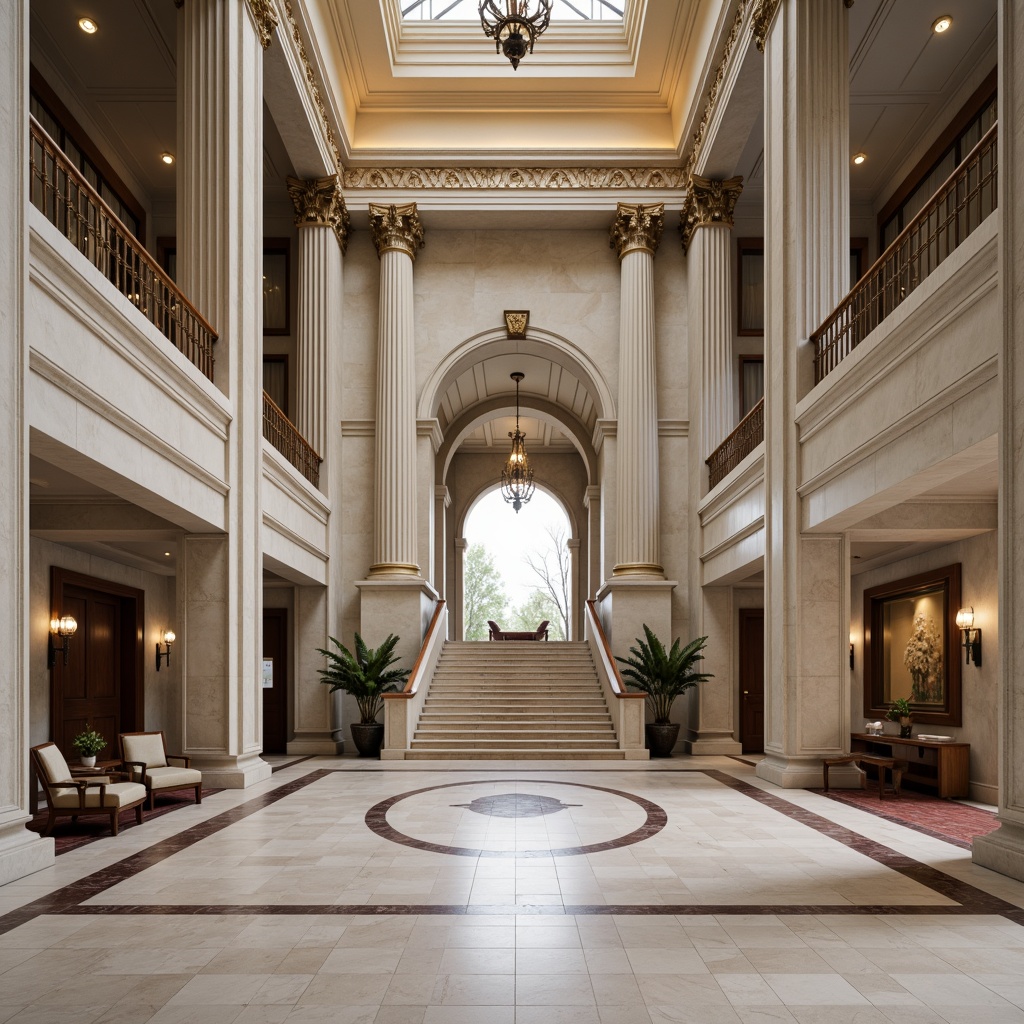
(706, 227)
(397, 234)
(323, 223)
(635, 235)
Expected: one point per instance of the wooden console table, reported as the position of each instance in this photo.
(944, 767)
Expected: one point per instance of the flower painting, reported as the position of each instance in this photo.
(923, 659)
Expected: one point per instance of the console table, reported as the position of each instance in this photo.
(944, 767)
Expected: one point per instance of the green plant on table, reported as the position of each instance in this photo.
(88, 743)
(900, 709)
(366, 675)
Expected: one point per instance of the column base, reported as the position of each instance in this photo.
(22, 852)
(303, 746)
(627, 603)
(805, 773)
(232, 772)
(711, 743)
(403, 605)
(1002, 850)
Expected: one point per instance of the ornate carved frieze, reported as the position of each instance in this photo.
(513, 177)
(318, 201)
(265, 17)
(762, 21)
(396, 227)
(708, 201)
(637, 226)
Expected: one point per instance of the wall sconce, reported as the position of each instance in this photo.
(972, 636)
(851, 651)
(63, 627)
(168, 638)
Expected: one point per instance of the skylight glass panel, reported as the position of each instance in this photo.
(469, 10)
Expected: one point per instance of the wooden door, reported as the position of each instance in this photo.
(275, 695)
(751, 680)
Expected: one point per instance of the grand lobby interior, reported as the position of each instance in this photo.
(269, 272)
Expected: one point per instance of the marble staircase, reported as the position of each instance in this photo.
(519, 700)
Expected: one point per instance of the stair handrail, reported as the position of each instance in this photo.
(614, 676)
(412, 684)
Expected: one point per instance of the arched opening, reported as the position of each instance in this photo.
(517, 568)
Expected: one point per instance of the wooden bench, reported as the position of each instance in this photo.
(895, 766)
(497, 633)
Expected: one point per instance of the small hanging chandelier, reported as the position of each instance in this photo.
(514, 30)
(516, 475)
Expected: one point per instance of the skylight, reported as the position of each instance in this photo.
(468, 10)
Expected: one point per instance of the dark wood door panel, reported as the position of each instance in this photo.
(275, 698)
(751, 679)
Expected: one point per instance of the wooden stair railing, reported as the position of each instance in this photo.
(283, 435)
(749, 433)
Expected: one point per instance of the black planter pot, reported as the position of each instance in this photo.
(368, 738)
(661, 738)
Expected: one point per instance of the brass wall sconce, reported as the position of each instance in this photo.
(972, 636)
(168, 638)
(63, 626)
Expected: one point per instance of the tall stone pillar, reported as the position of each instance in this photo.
(807, 579)
(706, 227)
(395, 598)
(323, 223)
(442, 502)
(637, 593)
(592, 503)
(21, 851)
(220, 242)
(1003, 850)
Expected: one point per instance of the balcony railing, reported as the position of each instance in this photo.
(64, 196)
(281, 433)
(966, 198)
(748, 434)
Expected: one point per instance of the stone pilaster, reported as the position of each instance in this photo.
(807, 703)
(1003, 850)
(323, 223)
(592, 503)
(21, 851)
(220, 238)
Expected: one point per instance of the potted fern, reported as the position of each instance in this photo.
(366, 675)
(663, 675)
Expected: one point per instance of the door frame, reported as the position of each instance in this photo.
(133, 624)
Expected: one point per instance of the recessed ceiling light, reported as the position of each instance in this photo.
(167, 554)
(88, 26)
(859, 158)
(942, 24)
(168, 158)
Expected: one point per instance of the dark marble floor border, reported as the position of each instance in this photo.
(376, 821)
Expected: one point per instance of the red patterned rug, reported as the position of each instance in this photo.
(943, 819)
(69, 835)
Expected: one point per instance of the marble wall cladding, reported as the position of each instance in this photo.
(162, 689)
(979, 587)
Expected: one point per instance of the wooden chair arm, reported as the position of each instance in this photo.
(180, 757)
(129, 765)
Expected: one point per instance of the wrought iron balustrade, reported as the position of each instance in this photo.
(749, 433)
(283, 435)
(961, 203)
(64, 196)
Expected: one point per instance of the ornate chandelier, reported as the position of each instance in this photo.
(514, 30)
(516, 475)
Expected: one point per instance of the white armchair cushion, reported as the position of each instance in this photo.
(53, 764)
(173, 778)
(147, 747)
(117, 794)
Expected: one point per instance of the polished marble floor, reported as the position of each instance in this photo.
(450, 893)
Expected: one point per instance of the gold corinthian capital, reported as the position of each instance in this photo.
(637, 227)
(396, 228)
(708, 201)
(319, 202)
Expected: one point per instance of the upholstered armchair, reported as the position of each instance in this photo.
(145, 756)
(497, 633)
(72, 797)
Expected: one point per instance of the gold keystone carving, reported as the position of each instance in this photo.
(515, 322)
(637, 226)
(708, 201)
(265, 16)
(318, 201)
(396, 228)
(762, 23)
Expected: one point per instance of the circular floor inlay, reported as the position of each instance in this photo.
(516, 818)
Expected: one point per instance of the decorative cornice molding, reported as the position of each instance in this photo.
(314, 88)
(708, 201)
(566, 178)
(396, 228)
(265, 17)
(762, 21)
(319, 202)
(637, 227)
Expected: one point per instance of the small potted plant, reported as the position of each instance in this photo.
(663, 676)
(900, 712)
(88, 744)
(367, 675)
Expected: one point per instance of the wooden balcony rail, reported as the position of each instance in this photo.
(748, 434)
(281, 433)
(64, 196)
(966, 198)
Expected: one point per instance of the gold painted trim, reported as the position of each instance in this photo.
(637, 228)
(525, 178)
(762, 21)
(638, 569)
(394, 569)
(265, 17)
(319, 202)
(396, 228)
(516, 321)
(708, 201)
